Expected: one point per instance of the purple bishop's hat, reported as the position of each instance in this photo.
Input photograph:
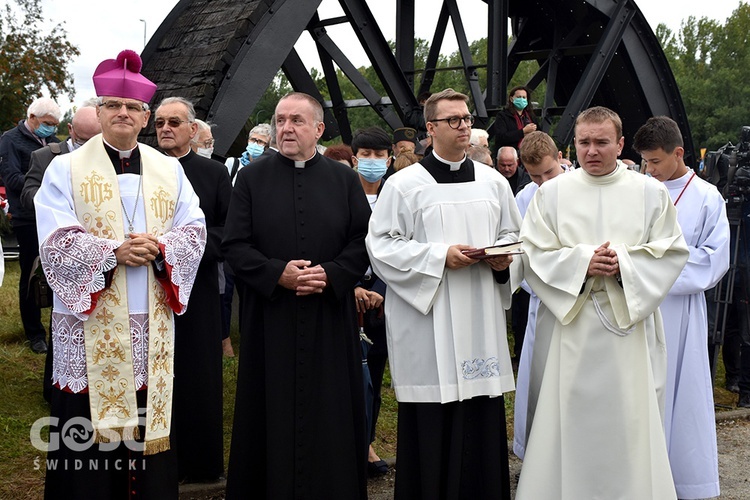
(121, 77)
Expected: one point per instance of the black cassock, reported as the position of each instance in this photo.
(299, 425)
(198, 404)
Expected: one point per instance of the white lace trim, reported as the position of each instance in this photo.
(183, 250)
(74, 263)
(69, 352)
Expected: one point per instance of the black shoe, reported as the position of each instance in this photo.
(733, 385)
(375, 469)
(39, 346)
(744, 401)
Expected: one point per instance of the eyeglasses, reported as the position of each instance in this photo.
(208, 143)
(172, 122)
(132, 107)
(258, 141)
(455, 121)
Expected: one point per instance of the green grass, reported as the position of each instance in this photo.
(21, 402)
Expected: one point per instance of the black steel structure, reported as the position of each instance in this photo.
(222, 54)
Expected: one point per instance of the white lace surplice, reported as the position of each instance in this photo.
(75, 263)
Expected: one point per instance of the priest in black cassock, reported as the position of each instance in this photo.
(295, 239)
(198, 405)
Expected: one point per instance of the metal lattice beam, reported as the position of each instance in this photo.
(222, 55)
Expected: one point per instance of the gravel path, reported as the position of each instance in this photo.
(733, 434)
(732, 429)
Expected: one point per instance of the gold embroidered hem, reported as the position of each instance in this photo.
(115, 435)
(156, 446)
(109, 363)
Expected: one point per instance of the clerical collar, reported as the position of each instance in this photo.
(454, 165)
(124, 162)
(122, 153)
(301, 164)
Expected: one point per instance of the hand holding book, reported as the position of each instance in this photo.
(494, 251)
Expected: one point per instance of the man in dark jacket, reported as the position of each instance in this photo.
(16, 146)
(81, 128)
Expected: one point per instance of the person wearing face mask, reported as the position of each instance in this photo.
(371, 148)
(203, 142)
(514, 121)
(257, 142)
(16, 146)
(83, 126)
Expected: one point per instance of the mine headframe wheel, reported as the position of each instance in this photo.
(223, 54)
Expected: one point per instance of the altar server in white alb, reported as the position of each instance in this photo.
(689, 419)
(541, 158)
(121, 237)
(445, 318)
(603, 248)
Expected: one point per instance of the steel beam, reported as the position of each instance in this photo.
(432, 58)
(328, 47)
(497, 52)
(405, 39)
(260, 57)
(470, 71)
(595, 70)
(379, 52)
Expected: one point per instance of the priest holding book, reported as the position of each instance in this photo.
(445, 312)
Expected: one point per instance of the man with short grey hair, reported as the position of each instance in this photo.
(198, 393)
(16, 146)
(295, 239)
(83, 126)
(203, 142)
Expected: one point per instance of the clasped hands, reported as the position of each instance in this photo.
(301, 278)
(604, 262)
(457, 260)
(137, 250)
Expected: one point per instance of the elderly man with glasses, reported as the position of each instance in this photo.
(121, 238)
(198, 393)
(449, 358)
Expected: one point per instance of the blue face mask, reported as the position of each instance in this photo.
(44, 130)
(372, 169)
(254, 150)
(520, 103)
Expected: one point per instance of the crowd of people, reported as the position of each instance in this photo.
(390, 250)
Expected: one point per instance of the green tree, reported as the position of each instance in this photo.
(32, 57)
(711, 64)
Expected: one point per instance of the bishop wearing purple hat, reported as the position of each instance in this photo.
(121, 235)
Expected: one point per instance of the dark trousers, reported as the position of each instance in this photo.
(454, 450)
(226, 301)
(28, 250)
(377, 357)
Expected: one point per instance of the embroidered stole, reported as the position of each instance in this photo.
(109, 363)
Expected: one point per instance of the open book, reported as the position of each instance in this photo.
(493, 251)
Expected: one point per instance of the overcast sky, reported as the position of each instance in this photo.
(102, 29)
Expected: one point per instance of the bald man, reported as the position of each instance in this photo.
(81, 128)
(511, 168)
